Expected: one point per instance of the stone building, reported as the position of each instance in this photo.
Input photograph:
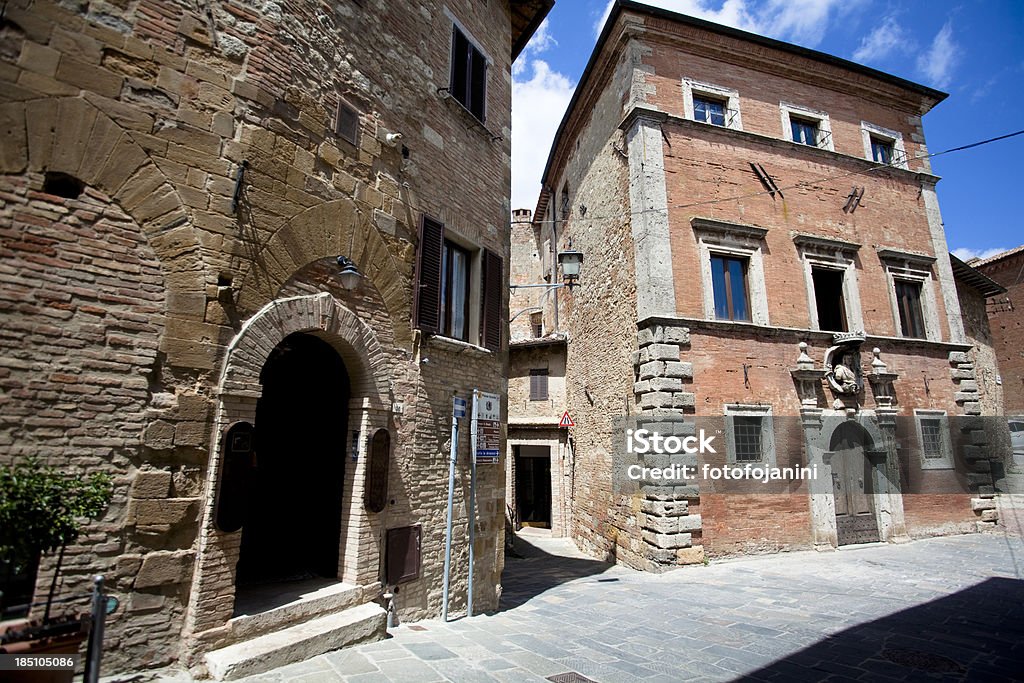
(1006, 318)
(177, 183)
(757, 219)
(538, 463)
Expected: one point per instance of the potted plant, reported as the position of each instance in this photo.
(42, 510)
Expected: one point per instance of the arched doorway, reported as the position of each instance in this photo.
(852, 484)
(293, 514)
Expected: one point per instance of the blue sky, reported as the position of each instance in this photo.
(972, 50)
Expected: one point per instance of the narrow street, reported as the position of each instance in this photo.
(947, 608)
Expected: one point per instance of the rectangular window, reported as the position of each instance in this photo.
(469, 74)
(908, 301)
(933, 436)
(539, 385)
(881, 150)
(729, 282)
(346, 123)
(537, 324)
(708, 110)
(749, 434)
(805, 131)
(455, 292)
(828, 299)
(446, 274)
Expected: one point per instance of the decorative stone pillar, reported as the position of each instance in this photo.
(667, 525)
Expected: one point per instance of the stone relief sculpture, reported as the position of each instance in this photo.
(843, 369)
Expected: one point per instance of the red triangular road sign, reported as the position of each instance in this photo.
(566, 421)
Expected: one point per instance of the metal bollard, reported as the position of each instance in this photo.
(95, 649)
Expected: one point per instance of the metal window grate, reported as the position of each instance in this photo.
(346, 125)
(931, 436)
(747, 435)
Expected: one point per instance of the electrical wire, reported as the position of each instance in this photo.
(795, 186)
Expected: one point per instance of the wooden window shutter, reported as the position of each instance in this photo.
(428, 298)
(491, 285)
(478, 83)
(538, 385)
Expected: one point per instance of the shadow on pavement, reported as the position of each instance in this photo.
(976, 634)
(537, 566)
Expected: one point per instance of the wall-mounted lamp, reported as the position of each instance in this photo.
(349, 275)
(571, 262)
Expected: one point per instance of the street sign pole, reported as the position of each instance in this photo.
(472, 497)
(458, 410)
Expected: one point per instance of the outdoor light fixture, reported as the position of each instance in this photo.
(571, 262)
(349, 275)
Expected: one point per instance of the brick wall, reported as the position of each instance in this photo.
(1006, 318)
(151, 273)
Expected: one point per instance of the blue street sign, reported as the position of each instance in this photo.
(458, 407)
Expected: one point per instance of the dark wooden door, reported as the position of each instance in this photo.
(851, 486)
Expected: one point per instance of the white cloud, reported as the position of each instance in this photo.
(887, 38)
(801, 21)
(966, 253)
(537, 108)
(938, 62)
(541, 41)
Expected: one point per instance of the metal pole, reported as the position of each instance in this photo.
(472, 500)
(95, 649)
(448, 532)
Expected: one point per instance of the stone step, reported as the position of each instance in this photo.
(298, 643)
(308, 604)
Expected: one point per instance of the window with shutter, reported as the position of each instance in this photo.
(469, 74)
(491, 276)
(539, 384)
(428, 298)
(346, 123)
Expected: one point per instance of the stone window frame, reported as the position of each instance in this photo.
(730, 95)
(916, 268)
(763, 411)
(945, 460)
(894, 137)
(832, 254)
(715, 237)
(786, 109)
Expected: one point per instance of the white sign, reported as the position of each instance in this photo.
(488, 407)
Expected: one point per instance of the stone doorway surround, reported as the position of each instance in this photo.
(209, 623)
(819, 426)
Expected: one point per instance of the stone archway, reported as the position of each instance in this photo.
(71, 135)
(330, 229)
(826, 449)
(369, 372)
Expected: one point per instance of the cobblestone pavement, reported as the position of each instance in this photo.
(938, 609)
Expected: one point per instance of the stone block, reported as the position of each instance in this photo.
(690, 523)
(978, 504)
(957, 373)
(656, 399)
(972, 407)
(163, 568)
(666, 384)
(678, 369)
(645, 337)
(166, 511)
(663, 352)
(145, 602)
(642, 387)
(89, 77)
(968, 385)
(634, 358)
(661, 525)
(159, 436)
(684, 399)
(693, 555)
(664, 508)
(676, 335)
(976, 479)
(151, 484)
(962, 396)
(989, 515)
(958, 357)
(193, 407)
(654, 368)
(669, 541)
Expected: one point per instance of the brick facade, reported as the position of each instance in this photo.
(1006, 318)
(137, 315)
(653, 194)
